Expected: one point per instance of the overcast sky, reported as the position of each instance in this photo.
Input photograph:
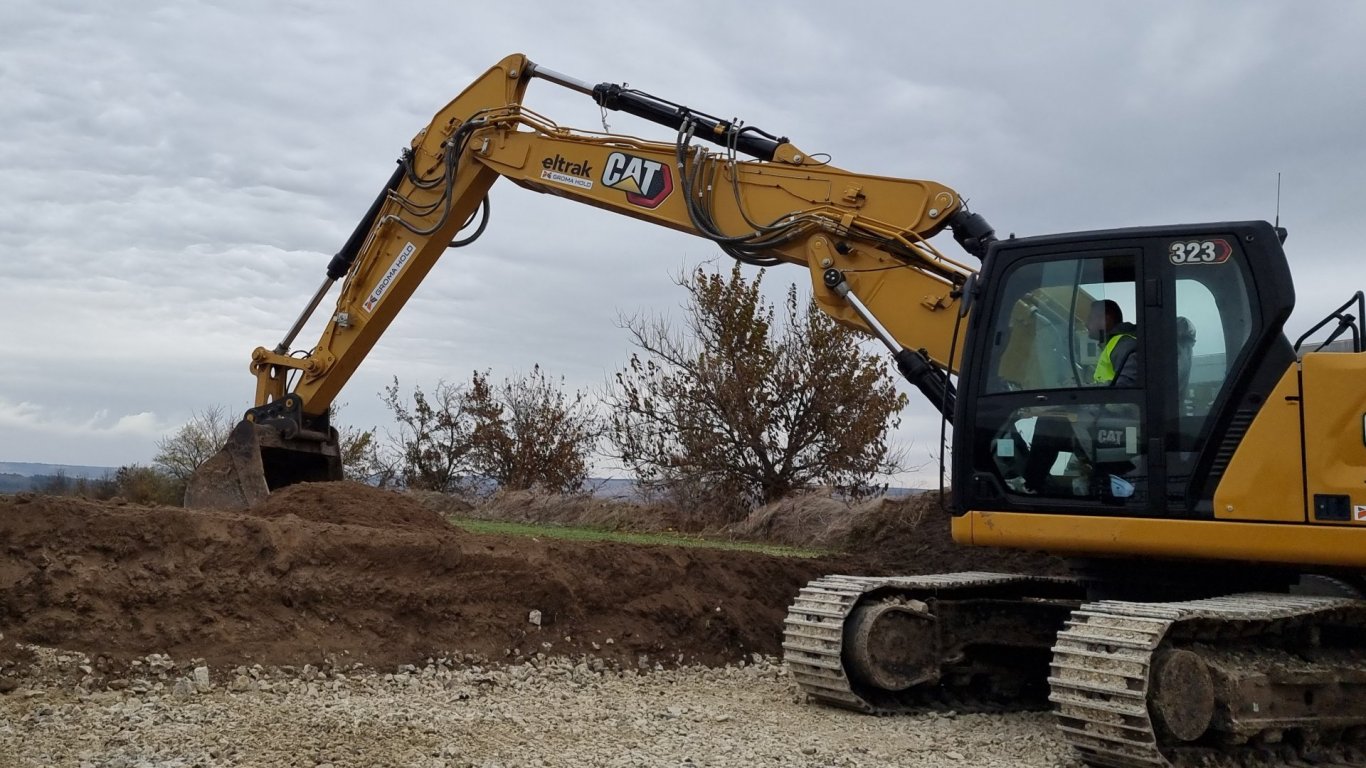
(175, 175)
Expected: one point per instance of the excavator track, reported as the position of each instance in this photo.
(821, 627)
(1228, 682)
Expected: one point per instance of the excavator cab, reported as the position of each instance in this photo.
(1040, 434)
(1210, 508)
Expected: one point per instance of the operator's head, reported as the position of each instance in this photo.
(1105, 314)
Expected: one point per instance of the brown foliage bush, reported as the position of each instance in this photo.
(743, 410)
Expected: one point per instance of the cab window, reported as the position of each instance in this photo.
(1043, 341)
(1051, 420)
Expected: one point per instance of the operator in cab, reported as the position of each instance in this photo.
(1118, 364)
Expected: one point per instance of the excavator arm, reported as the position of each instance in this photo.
(864, 239)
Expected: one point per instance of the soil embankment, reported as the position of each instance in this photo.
(345, 572)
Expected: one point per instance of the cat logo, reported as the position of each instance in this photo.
(1111, 438)
(646, 182)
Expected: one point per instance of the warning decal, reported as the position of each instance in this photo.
(388, 279)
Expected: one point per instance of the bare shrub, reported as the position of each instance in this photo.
(737, 410)
(529, 433)
(181, 454)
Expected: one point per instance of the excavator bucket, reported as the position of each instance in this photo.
(256, 460)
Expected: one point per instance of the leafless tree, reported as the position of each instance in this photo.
(360, 451)
(434, 437)
(181, 454)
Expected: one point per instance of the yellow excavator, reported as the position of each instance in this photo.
(1213, 504)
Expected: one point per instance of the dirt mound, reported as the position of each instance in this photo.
(343, 571)
(530, 506)
(807, 520)
(444, 504)
(350, 504)
(906, 535)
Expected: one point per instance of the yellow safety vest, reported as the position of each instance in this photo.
(1105, 367)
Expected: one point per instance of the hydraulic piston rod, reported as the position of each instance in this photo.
(746, 139)
(914, 365)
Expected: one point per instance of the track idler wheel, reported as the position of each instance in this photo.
(1183, 694)
(892, 645)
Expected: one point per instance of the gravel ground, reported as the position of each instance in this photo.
(550, 712)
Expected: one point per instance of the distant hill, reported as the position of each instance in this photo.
(30, 469)
(16, 476)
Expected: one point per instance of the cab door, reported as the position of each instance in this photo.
(1050, 428)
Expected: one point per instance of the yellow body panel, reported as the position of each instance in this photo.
(1265, 479)
(1310, 545)
(1335, 423)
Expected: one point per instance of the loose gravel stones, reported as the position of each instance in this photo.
(460, 713)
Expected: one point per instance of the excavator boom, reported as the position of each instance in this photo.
(859, 235)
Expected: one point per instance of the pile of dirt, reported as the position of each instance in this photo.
(531, 506)
(350, 503)
(907, 535)
(339, 571)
